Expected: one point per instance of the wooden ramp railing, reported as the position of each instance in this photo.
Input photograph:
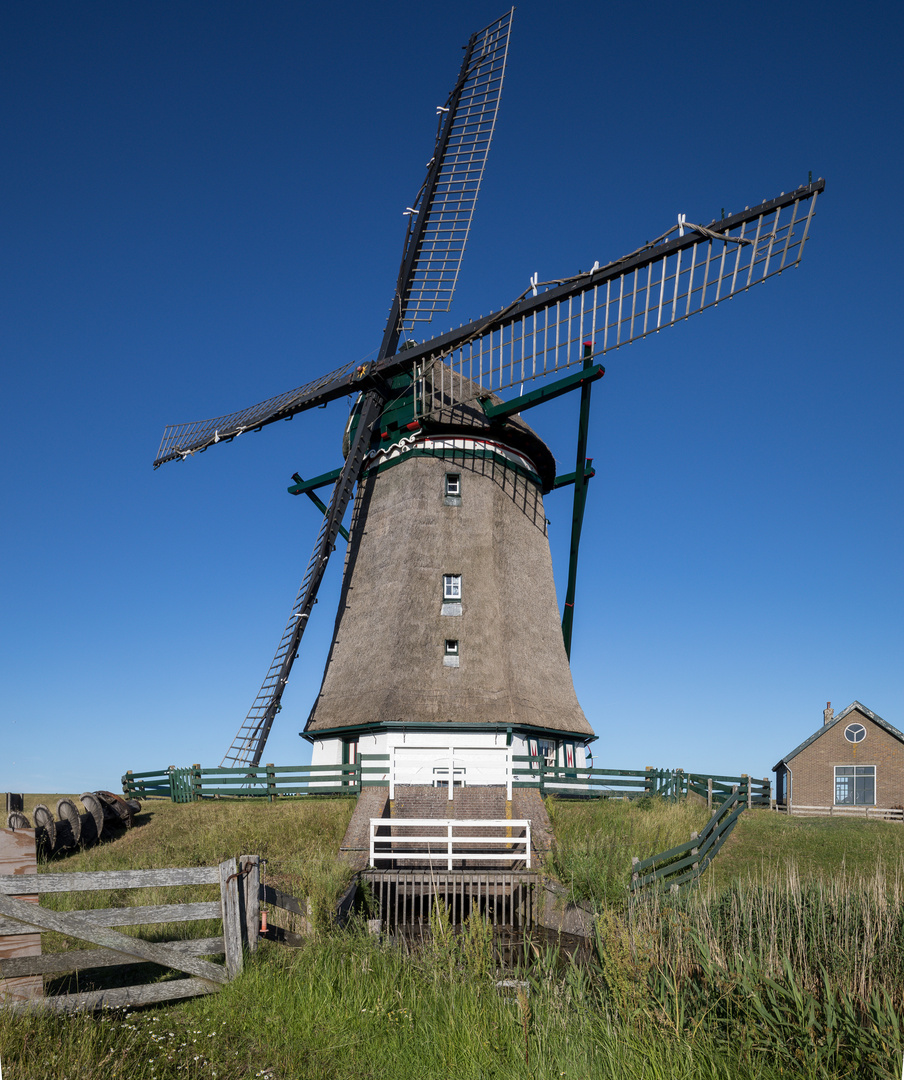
(685, 863)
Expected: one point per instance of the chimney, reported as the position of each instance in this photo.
(827, 713)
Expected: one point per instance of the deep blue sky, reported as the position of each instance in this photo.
(202, 207)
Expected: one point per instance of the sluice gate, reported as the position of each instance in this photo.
(404, 899)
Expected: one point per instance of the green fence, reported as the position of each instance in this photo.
(532, 772)
(685, 863)
(267, 781)
(260, 781)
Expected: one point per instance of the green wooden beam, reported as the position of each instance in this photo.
(580, 499)
(582, 378)
(306, 487)
(569, 478)
(302, 487)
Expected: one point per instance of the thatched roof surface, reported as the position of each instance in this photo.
(386, 661)
(455, 408)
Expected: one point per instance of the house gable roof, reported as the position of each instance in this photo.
(854, 706)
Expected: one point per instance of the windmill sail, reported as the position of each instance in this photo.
(449, 194)
(641, 294)
(248, 744)
(438, 226)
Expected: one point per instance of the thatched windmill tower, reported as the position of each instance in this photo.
(447, 633)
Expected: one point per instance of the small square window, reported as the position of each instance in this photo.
(451, 586)
(453, 483)
(451, 647)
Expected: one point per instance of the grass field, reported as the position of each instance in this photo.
(783, 962)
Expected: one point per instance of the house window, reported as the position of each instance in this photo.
(451, 647)
(855, 785)
(855, 733)
(451, 586)
(453, 483)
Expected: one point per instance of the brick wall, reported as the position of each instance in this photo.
(421, 801)
(355, 847)
(813, 770)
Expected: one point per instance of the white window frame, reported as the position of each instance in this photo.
(453, 484)
(855, 729)
(452, 587)
(866, 771)
(451, 647)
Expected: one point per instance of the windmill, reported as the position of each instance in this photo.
(448, 627)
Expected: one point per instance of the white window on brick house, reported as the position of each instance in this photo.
(451, 586)
(855, 785)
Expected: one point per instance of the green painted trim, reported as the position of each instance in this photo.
(401, 725)
(451, 455)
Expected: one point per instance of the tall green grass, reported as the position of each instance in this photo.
(774, 973)
(595, 841)
(809, 972)
(349, 1006)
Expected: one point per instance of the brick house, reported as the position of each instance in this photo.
(855, 759)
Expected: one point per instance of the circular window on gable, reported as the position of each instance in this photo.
(855, 733)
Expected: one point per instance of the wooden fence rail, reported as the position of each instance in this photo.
(372, 770)
(873, 813)
(686, 862)
(237, 908)
(260, 782)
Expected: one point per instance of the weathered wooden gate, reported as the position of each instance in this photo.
(238, 908)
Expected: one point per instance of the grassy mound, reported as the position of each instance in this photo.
(783, 962)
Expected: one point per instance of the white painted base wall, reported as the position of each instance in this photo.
(423, 757)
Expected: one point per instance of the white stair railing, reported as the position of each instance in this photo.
(448, 847)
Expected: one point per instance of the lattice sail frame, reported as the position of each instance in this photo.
(623, 302)
(467, 144)
(640, 294)
(183, 440)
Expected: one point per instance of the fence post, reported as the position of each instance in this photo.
(709, 794)
(358, 778)
(18, 855)
(271, 782)
(251, 881)
(647, 784)
(232, 919)
(694, 851)
(634, 875)
(449, 834)
(127, 784)
(746, 780)
(196, 783)
(451, 782)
